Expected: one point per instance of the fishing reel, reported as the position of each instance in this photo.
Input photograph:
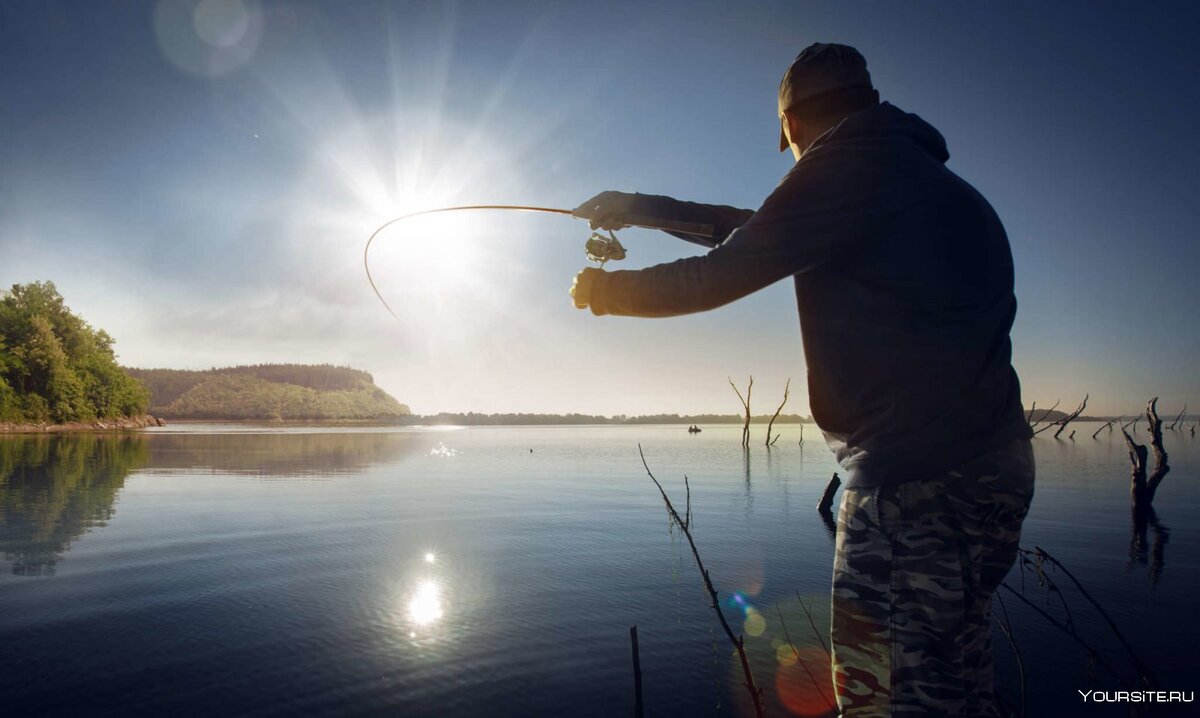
(603, 249)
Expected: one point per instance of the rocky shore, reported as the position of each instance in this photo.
(124, 423)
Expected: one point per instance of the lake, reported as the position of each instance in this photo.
(496, 571)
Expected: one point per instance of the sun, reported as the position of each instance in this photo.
(431, 253)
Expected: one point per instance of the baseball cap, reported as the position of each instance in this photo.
(820, 68)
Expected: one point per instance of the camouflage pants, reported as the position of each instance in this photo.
(914, 571)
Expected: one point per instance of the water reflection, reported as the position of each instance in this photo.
(54, 488)
(1147, 542)
(424, 603)
(282, 454)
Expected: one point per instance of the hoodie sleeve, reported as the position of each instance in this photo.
(723, 218)
(825, 205)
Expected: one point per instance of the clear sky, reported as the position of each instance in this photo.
(199, 178)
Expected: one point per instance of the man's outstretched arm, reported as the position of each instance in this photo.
(821, 209)
(614, 210)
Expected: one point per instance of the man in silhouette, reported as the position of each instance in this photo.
(904, 284)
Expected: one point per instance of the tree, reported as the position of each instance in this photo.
(54, 366)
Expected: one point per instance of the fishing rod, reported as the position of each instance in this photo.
(598, 248)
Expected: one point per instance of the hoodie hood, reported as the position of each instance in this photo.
(885, 119)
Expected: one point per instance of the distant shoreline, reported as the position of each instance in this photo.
(124, 423)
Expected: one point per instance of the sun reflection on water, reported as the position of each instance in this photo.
(425, 606)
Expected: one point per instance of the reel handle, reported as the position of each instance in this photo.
(646, 222)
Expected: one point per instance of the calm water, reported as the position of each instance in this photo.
(496, 572)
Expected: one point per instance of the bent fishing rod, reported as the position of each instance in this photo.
(598, 248)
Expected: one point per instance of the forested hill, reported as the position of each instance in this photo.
(279, 392)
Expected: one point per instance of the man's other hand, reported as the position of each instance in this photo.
(608, 210)
(581, 288)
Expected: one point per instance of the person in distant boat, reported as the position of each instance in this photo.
(904, 284)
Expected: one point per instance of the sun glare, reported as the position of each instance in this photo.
(425, 606)
(435, 252)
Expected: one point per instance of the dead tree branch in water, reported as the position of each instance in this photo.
(1177, 419)
(813, 624)
(737, 641)
(1045, 414)
(1143, 487)
(1107, 425)
(786, 391)
(745, 405)
(1062, 423)
(826, 503)
(803, 665)
(1043, 556)
(1006, 628)
(1160, 454)
(824, 506)
(1093, 654)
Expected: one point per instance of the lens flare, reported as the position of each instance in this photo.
(800, 693)
(210, 37)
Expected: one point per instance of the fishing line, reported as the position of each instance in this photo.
(598, 248)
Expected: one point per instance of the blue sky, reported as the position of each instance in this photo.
(198, 178)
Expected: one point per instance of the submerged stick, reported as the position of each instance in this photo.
(826, 502)
(1006, 628)
(1133, 657)
(796, 653)
(813, 624)
(637, 674)
(737, 641)
(1069, 630)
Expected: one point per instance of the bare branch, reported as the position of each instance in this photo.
(737, 641)
(1107, 425)
(796, 653)
(745, 405)
(813, 624)
(1006, 627)
(786, 391)
(1178, 418)
(1062, 423)
(1069, 630)
(1137, 662)
(1046, 414)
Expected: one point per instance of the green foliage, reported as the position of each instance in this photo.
(276, 392)
(55, 367)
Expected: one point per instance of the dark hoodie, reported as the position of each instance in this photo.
(904, 282)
